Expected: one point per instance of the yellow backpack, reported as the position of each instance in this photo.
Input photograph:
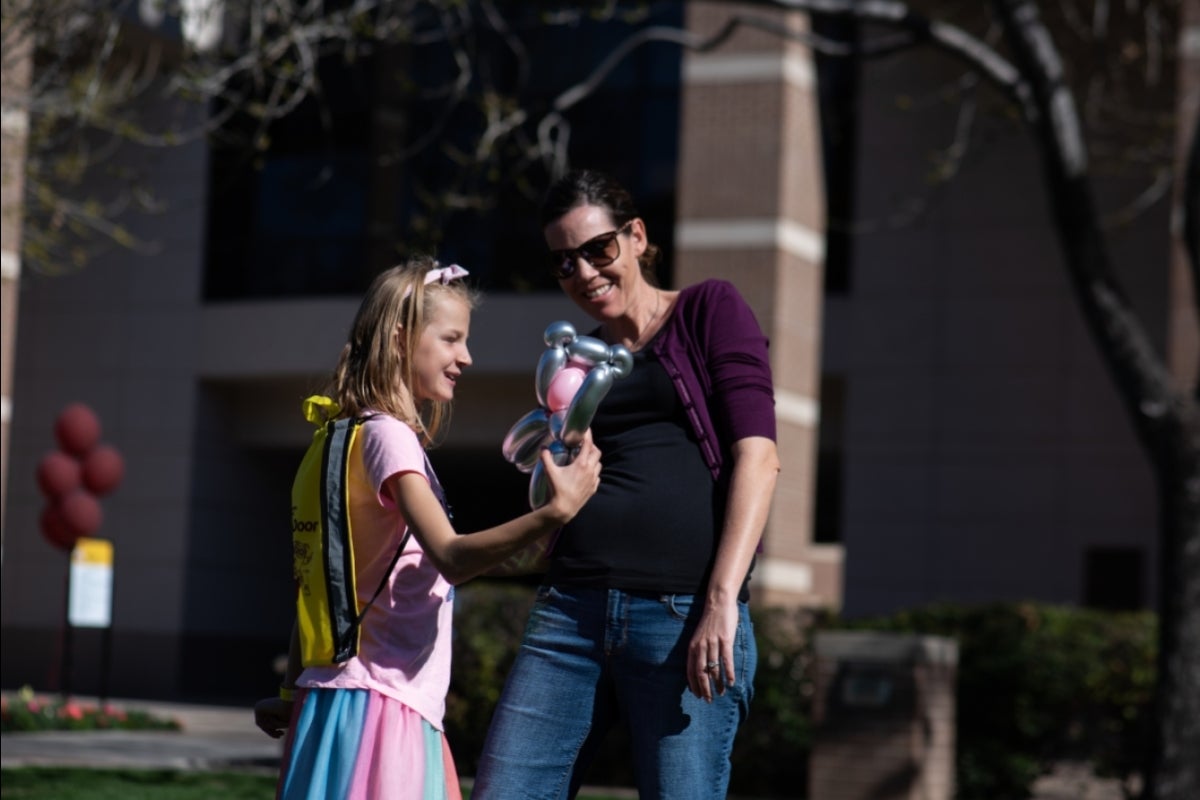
(327, 607)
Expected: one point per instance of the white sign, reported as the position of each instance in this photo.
(89, 603)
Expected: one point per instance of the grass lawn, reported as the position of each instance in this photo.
(60, 783)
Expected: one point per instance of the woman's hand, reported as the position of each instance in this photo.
(713, 644)
(273, 715)
(573, 485)
(755, 468)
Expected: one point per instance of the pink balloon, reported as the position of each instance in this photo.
(563, 387)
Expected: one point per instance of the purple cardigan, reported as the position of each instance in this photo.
(716, 355)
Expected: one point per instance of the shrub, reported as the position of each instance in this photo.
(770, 753)
(1036, 684)
(489, 620)
(1040, 683)
(26, 712)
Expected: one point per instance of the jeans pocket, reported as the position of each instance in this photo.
(677, 606)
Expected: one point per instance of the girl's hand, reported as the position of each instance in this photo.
(273, 715)
(573, 485)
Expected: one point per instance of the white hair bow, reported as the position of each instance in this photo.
(442, 275)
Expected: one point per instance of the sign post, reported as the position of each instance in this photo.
(89, 601)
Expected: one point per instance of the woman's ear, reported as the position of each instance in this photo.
(398, 339)
(637, 234)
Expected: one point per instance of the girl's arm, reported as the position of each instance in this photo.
(274, 714)
(755, 467)
(460, 558)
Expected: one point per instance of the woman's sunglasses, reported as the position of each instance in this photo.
(599, 251)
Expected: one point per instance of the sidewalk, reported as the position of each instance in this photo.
(213, 737)
(221, 738)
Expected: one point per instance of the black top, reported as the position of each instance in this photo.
(654, 523)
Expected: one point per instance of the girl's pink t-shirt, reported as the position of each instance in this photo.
(404, 650)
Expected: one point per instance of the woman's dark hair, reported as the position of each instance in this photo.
(589, 187)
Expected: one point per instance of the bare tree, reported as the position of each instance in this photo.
(1166, 417)
(99, 66)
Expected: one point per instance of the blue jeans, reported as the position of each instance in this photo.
(591, 657)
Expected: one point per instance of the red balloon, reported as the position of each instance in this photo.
(58, 474)
(103, 469)
(81, 512)
(55, 528)
(77, 429)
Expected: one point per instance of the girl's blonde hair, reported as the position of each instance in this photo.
(373, 374)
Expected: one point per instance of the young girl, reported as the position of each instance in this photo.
(371, 727)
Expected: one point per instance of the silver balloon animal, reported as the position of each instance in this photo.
(573, 376)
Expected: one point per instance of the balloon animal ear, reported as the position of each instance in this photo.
(572, 377)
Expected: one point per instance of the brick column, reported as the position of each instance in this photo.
(751, 210)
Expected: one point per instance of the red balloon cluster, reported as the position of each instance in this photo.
(75, 476)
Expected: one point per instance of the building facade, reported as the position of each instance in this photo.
(946, 428)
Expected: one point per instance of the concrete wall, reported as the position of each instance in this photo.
(985, 448)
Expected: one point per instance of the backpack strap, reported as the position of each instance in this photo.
(386, 574)
(438, 492)
(335, 463)
(436, 485)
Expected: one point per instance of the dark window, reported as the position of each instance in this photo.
(830, 461)
(324, 203)
(1114, 578)
(293, 218)
(837, 96)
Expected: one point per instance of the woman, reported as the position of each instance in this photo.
(642, 616)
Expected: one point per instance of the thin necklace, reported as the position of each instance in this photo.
(637, 345)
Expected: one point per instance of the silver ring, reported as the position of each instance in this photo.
(710, 666)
